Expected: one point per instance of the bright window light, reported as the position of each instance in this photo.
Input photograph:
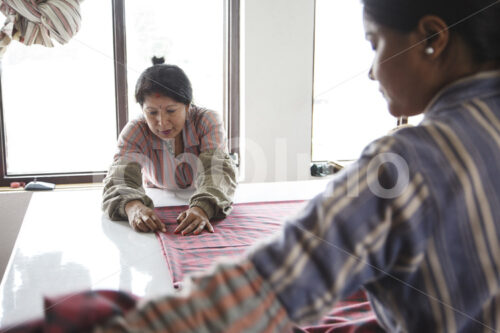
(189, 34)
(59, 103)
(349, 111)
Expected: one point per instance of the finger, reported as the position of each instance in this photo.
(141, 226)
(184, 223)
(146, 220)
(209, 227)
(190, 228)
(158, 222)
(182, 216)
(200, 228)
(134, 225)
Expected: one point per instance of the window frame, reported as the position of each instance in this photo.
(400, 121)
(231, 96)
(232, 112)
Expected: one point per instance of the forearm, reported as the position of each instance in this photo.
(215, 184)
(343, 242)
(122, 185)
(234, 298)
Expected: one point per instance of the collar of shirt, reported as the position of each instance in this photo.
(475, 86)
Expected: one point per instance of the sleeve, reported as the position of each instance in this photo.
(215, 184)
(216, 181)
(234, 298)
(371, 224)
(123, 183)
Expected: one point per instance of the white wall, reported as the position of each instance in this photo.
(277, 65)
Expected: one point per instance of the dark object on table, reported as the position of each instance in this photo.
(322, 169)
(39, 186)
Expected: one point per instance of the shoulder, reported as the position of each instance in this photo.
(410, 151)
(203, 117)
(398, 147)
(399, 140)
(135, 128)
(136, 123)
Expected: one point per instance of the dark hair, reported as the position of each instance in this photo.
(167, 80)
(476, 21)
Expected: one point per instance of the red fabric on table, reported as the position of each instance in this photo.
(247, 223)
(77, 312)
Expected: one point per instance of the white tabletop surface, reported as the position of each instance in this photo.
(66, 244)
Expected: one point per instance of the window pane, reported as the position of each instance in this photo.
(59, 103)
(415, 120)
(349, 111)
(189, 34)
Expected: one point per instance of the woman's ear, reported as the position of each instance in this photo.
(434, 35)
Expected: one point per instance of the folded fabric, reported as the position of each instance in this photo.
(78, 312)
(247, 224)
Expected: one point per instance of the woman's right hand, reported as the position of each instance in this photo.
(142, 218)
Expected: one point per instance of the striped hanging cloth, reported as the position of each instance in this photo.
(39, 21)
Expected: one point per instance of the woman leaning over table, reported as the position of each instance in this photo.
(174, 144)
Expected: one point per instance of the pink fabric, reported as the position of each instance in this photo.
(247, 224)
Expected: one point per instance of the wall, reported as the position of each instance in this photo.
(277, 68)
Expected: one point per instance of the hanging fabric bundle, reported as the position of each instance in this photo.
(39, 21)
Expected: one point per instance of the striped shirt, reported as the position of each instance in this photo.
(161, 168)
(39, 22)
(414, 221)
(204, 164)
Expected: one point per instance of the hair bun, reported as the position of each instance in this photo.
(158, 61)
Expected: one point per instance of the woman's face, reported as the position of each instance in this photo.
(400, 68)
(165, 116)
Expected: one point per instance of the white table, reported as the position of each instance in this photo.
(66, 245)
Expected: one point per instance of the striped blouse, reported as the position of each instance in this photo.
(161, 168)
(415, 221)
(204, 165)
(39, 22)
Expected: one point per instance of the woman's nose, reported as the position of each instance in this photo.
(163, 118)
(370, 74)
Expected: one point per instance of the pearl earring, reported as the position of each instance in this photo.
(429, 50)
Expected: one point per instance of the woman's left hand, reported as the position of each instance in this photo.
(193, 220)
